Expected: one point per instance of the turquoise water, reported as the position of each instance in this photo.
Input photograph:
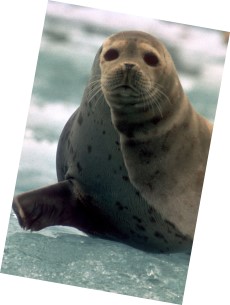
(70, 40)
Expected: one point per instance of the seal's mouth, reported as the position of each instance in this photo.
(126, 91)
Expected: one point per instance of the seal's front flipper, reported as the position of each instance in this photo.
(64, 204)
(52, 205)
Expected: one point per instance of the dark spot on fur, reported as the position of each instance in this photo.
(165, 148)
(140, 227)
(160, 236)
(137, 218)
(89, 148)
(79, 167)
(139, 236)
(150, 186)
(171, 227)
(128, 129)
(152, 219)
(145, 154)
(181, 236)
(117, 143)
(103, 132)
(170, 224)
(120, 206)
(109, 157)
(125, 178)
(68, 143)
(157, 175)
(138, 194)
(156, 120)
(150, 210)
(80, 119)
(131, 143)
(120, 168)
(142, 237)
(185, 125)
(115, 172)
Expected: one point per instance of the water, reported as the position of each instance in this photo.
(70, 40)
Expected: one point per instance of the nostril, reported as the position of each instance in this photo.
(129, 66)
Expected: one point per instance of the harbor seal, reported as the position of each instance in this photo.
(131, 159)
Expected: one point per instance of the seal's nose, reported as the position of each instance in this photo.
(129, 66)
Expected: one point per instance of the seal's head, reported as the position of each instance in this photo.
(138, 80)
(136, 69)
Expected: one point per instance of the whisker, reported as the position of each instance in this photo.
(152, 100)
(91, 83)
(92, 93)
(157, 86)
(159, 108)
(99, 100)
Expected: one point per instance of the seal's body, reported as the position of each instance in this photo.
(131, 160)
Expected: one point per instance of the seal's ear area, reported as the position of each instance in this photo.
(96, 66)
(100, 50)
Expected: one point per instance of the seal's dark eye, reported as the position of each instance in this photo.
(151, 59)
(111, 54)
